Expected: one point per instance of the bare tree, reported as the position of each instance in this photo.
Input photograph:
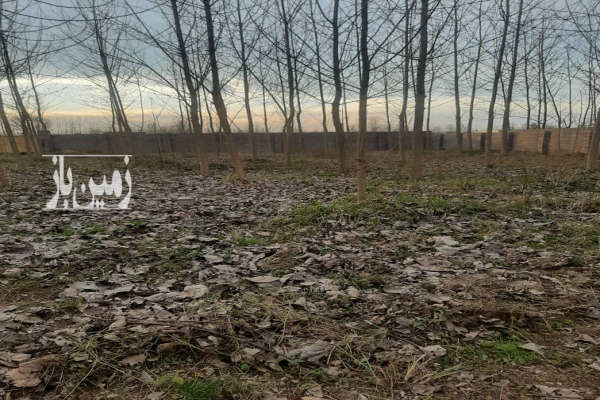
(459, 136)
(509, 94)
(417, 167)
(497, 75)
(27, 126)
(288, 128)
(7, 127)
(98, 21)
(475, 75)
(243, 55)
(403, 128)
(362, 105)
(191, 88)
(216, 91)
(319, 77)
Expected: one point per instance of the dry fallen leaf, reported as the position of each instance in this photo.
(133, 360)
(533, 347)
(263, 279)
(28, 373)
(194, 291)
(434, 350)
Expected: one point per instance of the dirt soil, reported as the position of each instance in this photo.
(474, 283)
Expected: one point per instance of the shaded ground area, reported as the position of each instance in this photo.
(476, 283)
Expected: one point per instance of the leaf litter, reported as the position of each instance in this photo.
(427, 298)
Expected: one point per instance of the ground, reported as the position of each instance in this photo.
(474, 283)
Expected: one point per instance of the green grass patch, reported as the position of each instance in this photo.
(489, 355)
(251, 241)
(574, 237)
(201, 389)
(377, 210)
(510, 351)
(318, 375)
(68, 232)
(94, 229)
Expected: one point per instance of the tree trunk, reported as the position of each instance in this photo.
(527, 85)
(29, 133)
(544, 81)
(36, 98)
(187, 74)
(497, 74)
(245, 80)
(429, 96)
(417, 169)
(402, 140)
(459, 137)
(474, 88)
(113, 91)
(513, 69)
(270, 135)
(592, 155)
(570, 89)
(345, 103)
(337, 79)
(387, 109)
(320, 80)
(362, 104)
(289, 123)
(8, 127)
(216, 92)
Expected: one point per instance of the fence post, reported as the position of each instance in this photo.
(546, 142)
(511, 142)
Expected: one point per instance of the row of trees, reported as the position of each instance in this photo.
(217, 60)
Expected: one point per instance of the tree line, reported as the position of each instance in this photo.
(216, 60)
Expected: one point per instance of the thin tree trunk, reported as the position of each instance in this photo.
(246, 82)
(474, 88)
(298, 115)
(430, 96)
(570, 89)
(345, 103)
(36, 98)
(362, 105)
(270, 135)
(187, 73)
(497, 74)
(8, 127)
(29, 133)
(513, 69)
(387, 108)
(320, 80)
(539, 93)
(459, 137)
(544, 81)
(592, 156)
(289, 123)
(402, 140)
(216, 92)
(558, 112)
(113, 91)
(337, 79)
(527, 85)
(417, 168)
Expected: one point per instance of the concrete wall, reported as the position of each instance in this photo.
(574, 140)
(566, 140)
(309, 142)
(5, 145)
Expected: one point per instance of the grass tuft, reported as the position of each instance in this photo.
(201, 389)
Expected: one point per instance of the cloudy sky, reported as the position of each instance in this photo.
(74, 96)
